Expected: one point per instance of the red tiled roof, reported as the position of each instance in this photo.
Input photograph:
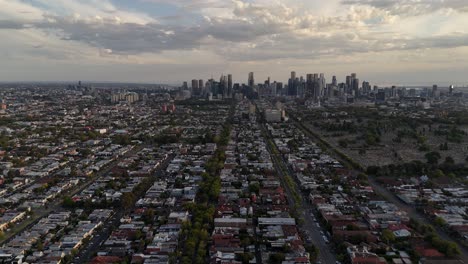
(367, 260)
(105, 259)
(428, 252)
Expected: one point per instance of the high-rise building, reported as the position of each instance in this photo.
(195, 87)
(293, 75)
(309, 91)
(366, 88)
(223, 86)
(322, 84)
(230, 91)
(251, 81)
(314, 86)
(435, 91)
(334, 81)
(273, 88)
(349, 83)
(279, 88)
(356, 86)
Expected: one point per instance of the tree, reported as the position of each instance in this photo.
(127, 200)
(68, 202)
(343, 143)
(244, 257)
(440, 221)
(388, 236)
(452, 249)
(438, 174)
(444, 146)
(433, 157)
(254, 188)
(148, 216)
(276, 258)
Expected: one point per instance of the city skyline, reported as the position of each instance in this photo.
(386, 42)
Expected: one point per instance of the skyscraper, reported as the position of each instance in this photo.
(251, 81)
(229, 93)
(322, 84)
(356, 87)
(195, 87)
(309, 91)
(223, 86)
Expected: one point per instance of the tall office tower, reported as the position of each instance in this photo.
(366, 88)
(435, 92)
(251, 81)
(293, 84)
(290, 86)
(356, 87)
(268, 81)
(195, 88)
(185, 86)
(309, 91)
(299, 89)
(200, 85)
(316, 87)
(279, 88)
(349, 82)
(210, 86)
(223, 86)
(236, 87)
(322, 84)
(451, 90)
(334, 81)
(273, 88)
(230, 92)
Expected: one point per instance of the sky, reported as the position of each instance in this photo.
(170, 41)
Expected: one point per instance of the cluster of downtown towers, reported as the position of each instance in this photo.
(314, 86)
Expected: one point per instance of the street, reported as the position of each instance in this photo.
(113, 222)
(304, 209)
(389, 196)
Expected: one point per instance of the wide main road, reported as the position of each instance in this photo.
(304, 210)
(382, 191)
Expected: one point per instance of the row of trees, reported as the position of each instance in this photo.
(448, 248)
(196, 233)
(418, 168)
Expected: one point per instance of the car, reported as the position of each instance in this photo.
(317, 224)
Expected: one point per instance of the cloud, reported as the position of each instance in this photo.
(254, 31)
(412, 7)
(256, 34)
(9, 24)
